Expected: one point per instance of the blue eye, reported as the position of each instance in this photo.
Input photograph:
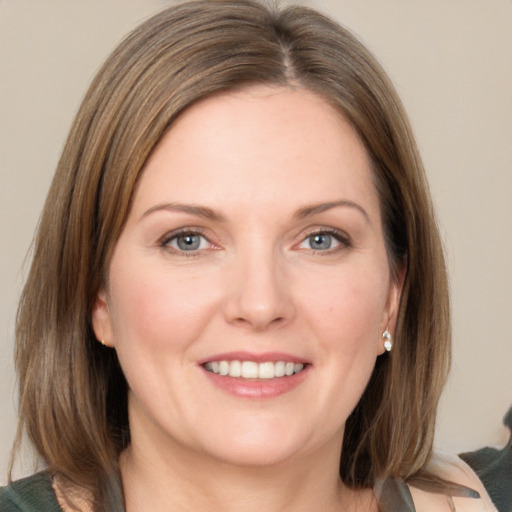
(325, 241)
(320, 241)
(188, 241)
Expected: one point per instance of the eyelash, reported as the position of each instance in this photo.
(174, 235)
(341, 237)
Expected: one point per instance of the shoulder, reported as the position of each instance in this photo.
(30, 494)
(459, 497)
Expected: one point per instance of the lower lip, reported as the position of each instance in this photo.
(257, 388)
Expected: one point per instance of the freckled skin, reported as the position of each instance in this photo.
(255, 284)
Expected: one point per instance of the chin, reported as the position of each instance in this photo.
(261, 446)
(255, 456)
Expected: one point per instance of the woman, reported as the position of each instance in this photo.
(238, 296)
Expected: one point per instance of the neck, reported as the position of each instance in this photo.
(180, 480)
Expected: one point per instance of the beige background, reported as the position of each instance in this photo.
(451, 61)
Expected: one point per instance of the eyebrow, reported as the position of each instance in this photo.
(314, 209)
(199, 211)
(208, 213)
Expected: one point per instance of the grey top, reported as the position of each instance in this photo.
(494, 468)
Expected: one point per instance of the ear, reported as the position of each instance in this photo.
(390, 315)
(101, 320)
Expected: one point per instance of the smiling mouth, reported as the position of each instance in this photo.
(253, 370)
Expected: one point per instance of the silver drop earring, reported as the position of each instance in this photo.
(388, 344)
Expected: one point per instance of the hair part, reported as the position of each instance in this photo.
(72, 392)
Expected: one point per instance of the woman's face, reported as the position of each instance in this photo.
(253, 249)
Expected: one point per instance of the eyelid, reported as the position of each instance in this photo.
(341, 236)
(164, 240)
(345, 241)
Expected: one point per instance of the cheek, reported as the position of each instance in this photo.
(349, 307)
(159, 308)
(343, 317)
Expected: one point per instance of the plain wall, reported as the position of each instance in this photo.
(451, 61)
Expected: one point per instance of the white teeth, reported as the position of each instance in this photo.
(235, 369)
(279, 369)
(253, 370)
(249, 370)
(223, 368)
(266, 370)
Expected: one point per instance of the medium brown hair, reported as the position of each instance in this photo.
(73, 396)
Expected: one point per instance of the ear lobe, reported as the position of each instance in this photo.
(392, 305)
(101, 321)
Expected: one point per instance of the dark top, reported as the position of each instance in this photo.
(32, 494)
(494, 468)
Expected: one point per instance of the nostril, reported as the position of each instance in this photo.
(258, 303)
(259, 323)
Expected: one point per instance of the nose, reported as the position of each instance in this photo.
(260, 293)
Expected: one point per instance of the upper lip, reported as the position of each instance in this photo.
(262, 357)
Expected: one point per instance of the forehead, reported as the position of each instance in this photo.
(259, 146)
